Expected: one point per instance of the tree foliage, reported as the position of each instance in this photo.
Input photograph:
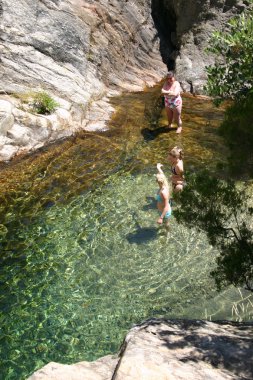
(221, 210)
(231, 77)
(237, 130)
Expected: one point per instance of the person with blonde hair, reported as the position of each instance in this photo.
(177, 169)
(162, 197)
(173, 101)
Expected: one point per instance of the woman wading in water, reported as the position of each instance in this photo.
(177, 169)
(173, 101)
(162, 198)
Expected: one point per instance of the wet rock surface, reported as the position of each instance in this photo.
(170, 350)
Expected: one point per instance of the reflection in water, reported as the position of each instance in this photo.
(82, 257)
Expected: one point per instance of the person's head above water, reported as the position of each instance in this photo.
(176, 153)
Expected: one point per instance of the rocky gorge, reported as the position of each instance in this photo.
(83, 52)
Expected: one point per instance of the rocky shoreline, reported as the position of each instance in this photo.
(160, 349)
(82, 52)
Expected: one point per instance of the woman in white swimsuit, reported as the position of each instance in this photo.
(173, 101)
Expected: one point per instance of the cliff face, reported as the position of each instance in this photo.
(76, 48)
(77, 51)
(184, 28)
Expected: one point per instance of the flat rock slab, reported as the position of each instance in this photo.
(160, 349)
(100, 369)
(190, 350)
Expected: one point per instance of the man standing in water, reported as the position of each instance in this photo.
(173, 101)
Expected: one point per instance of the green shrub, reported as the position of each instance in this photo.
(43, 103)
(231, 77)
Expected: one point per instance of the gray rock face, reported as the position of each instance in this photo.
(170, 350)
(77, 49)
(184, 27)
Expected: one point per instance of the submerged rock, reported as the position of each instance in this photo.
(160, 349)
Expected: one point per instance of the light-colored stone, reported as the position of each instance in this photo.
(160, 349)
(7, 152)
(77, 46)
(5, 107)
(4, 140)
(101, 369)
(187, 350)
(6, 123)
(93, 126)
(20, 135)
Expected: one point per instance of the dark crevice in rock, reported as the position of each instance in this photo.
(165, 22)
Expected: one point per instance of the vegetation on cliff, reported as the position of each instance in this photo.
(221, 208)
(231, 77)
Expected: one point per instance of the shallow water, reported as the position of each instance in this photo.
(82, 257)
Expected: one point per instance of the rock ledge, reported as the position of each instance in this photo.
(160, 349)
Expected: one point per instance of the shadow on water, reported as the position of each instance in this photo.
(81, 252)
(141, 234)
(150, 134)
(151, 205)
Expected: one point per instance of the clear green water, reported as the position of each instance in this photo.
(82, 258)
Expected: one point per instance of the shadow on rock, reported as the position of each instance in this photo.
(213, 345)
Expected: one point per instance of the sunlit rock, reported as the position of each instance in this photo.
(170, 350)
(101, 369)
(7, 152)
(77, 52)
(20, 135)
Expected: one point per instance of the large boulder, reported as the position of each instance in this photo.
(160, 349)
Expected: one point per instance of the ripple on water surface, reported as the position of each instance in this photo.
(90, 269)
(82, 256)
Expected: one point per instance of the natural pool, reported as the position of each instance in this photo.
(82, 258)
